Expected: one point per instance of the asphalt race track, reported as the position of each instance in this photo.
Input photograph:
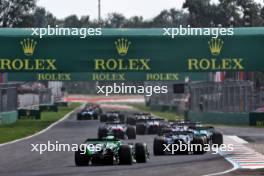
(18, 160)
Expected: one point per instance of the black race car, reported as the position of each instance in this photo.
(132, 120)
(187, 133)
(111, 116)
(110, 151)
(149, 125)
(118, 129)
(87, 114)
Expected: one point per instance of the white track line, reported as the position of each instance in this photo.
(42, 131)
(224, 172)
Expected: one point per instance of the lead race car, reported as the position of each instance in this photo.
(89, 112)
(118, 129)
(111, 151)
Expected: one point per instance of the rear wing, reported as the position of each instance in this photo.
(202, 128)
(150, 119)
(101, 140)
(178, 133)
(115, 123)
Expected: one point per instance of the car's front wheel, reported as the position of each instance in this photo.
(81, 159)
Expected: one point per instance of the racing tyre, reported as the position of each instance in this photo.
(121, 117)
(158, 147)
(125, 155)
(199, 142)
(217, 138)
(102, 132)
(81, 159)
(95, 116)
(79, 116)
(141, 152)
(131, 121)
(103, 118)
(131, 132)
(140, 129)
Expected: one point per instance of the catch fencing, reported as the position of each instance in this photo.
(227, 96)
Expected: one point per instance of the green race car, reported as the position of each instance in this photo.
(110, 151)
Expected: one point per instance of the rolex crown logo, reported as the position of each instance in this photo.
(215, 46)
(122, 46)
(28, 46)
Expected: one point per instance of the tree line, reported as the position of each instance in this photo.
(197, 13)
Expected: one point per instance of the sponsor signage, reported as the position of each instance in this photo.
(120, 52)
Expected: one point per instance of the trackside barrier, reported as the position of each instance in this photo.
(256, 119)
(8, 103)
(61, 104)
(29, 114)
(51, 108)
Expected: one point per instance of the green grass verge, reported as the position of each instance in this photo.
(23, 128)
(166, 114)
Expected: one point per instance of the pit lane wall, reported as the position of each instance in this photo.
(8, 117)
(225, 118)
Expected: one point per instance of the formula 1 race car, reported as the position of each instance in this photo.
(165, 144)
(110, 151)
(112, 116)
(118, 130)
(187, 133)
(149, 125)
(132, 120)
(87, 114)
(210, 134)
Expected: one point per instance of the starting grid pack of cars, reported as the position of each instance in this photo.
(116, 128)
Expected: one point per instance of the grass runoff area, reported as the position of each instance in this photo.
(169, 115)
(23, 128)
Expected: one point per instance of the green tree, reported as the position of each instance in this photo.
(71, 21)
(115, 20)
(12, 12)
(135, 21)
(170, 17)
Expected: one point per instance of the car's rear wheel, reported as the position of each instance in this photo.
(125, 155)
(95, 116)
(140, 129)
(217, 138)
(199, 145)
(141, 152)
(131, 121)
(79, 116)
(102, 132)
(121, 117)
(103, 118)
(131, 132)
(158, 146)
(81, 159)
